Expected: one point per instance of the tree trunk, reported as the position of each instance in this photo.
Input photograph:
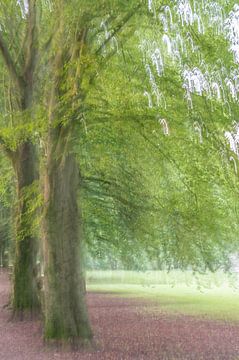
(66, 317)
(21, 72)
(25, 292)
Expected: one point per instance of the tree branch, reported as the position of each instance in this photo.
(10, 64)
(118, 28)
(171, 160)
(31, 41)
(113, 195)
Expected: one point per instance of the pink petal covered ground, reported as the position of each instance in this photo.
(123, 331)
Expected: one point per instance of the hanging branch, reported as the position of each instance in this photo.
(118, 28)
(169, 158)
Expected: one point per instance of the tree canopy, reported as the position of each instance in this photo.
(119, 123)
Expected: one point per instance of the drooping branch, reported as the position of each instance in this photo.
(168, 157)
(90, 180)
(118, 28)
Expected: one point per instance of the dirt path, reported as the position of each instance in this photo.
(123, 331)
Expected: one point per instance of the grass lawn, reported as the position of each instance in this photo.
(212, 295)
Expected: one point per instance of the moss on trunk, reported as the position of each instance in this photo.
(25, 290)
(66, 317)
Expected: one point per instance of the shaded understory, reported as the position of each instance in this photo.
(123, 330)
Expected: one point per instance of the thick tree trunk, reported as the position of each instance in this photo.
(66, 317)
(25, 291)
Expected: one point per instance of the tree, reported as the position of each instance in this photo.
(73, 73)
(81, 82)
(77, 62)
(19, 50)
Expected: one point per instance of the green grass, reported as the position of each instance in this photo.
(213, 296)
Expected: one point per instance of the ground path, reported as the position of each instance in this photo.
(123, 331)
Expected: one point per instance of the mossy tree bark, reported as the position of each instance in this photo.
(24, 159)
(66, 318)
(25, 291)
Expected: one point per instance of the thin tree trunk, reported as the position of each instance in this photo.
(25, 292)
(66, 317)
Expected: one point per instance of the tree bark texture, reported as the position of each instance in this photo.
(65, 310)
(24, 161)
(25, 291)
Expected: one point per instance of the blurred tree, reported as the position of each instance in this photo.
(130, 104)
(19, 49)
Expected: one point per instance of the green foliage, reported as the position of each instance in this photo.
(33, 202)
(149, 194)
